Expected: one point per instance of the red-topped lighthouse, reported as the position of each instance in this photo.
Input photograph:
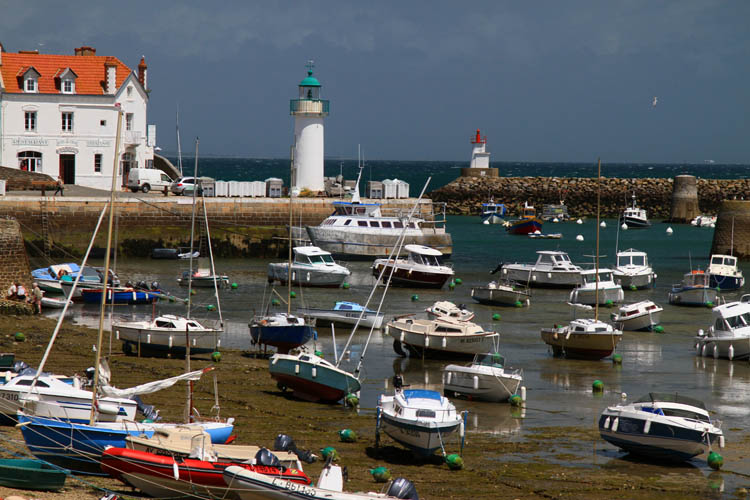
(480, 159)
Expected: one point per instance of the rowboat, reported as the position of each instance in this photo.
(29, 474)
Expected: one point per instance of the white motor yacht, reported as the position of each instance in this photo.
(633, 271)
(661, 426)
(635, 217)
(729, 335)
(693, 290)
(486, 378)
(166, 334)
(421, 269)
(723, 273)
(440, 337)
(311, 267)
(553, 269)
(584, 338)
(447, 309)
(640, 316)
(606, 290)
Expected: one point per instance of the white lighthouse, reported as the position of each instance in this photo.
(480, 157)
(308, 110)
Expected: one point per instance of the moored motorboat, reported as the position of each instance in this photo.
(121, 295)
(633, 271)
(486, 378)
(604, 289)
(639, 316)
(527, 223)
(634, 217)
(421, 269)
(311, 267)
(729, 335)
(555, 212)
(502, 293)
(493, 213)
(284, 331)
(203, 278)
(723, 273)
(440, 337)
(661, 426)
(344, 313)
(582, 338)
(311, 377)
(553, 269)
(693, 290)
(166, 335)
(419, 419)
(449, 310)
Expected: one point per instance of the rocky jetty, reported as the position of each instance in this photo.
(465, 195)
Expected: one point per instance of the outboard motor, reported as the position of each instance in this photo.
(90, 371)
(402, 488)
(20, 366)
(284, 442)
(141, 285)
(148, 411)
(398, 382)
(155, 285)
(265, 457)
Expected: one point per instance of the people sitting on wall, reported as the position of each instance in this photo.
(20, 292)
(12, 291)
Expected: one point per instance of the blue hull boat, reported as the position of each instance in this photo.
(282, 331)
(726, 283)
(128, 296)
(78, 447)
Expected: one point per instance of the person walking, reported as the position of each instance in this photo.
(36, 297)
(60, 185)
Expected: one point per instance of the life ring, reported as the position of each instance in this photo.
(263, 322)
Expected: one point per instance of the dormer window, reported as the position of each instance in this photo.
(65, 80)
(31, 85)
(68, 87)
(28, 77)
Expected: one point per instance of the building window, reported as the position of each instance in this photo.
(127, 162)
(30, 161)
(128, 121)
(103, 123)
(130, 91)
(67, 122)
(30, 85)
(98, 163)
(30, 121)
(68, 87)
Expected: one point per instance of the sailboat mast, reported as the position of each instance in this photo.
(289, 269)
(192, 229)
(92, 417)
(179, 148)
(598, 204)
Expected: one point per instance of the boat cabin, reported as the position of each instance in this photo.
(722, 264)
(732, 316)
(494, 360)
(632, 258)
(529, 212)
(589, 276)
(641, 307)
(556, 259)
(695, 279)
(422, 404)
(357, 209)
(343, 305)
(587, 325)
(312, 256)
(673, 405)
(493, 208)
(420, 254)
(173, 322)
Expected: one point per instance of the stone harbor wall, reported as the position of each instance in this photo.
(732, 233)
(465, 195)
(14, 266)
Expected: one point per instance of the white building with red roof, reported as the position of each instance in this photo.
(58, 116)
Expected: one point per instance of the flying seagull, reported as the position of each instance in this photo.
(656, 100)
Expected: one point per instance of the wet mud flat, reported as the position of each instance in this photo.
(541, 462)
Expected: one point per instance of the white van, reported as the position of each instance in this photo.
(146, 179)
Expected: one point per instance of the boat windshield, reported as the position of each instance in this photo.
(560, 259)
(696, 279)
(739, 321)
(495, 360)
(321, 259)
(638, 260)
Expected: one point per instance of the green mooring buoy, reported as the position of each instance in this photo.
(347, 435)
(659, 329)
(352, 400)
(454, 461)
(715, 461)
(617, 359)
(329, 451)
(234, 286)
(415, 297)
(19, 337)
(597, 386)
(381, 474)
(216, 356)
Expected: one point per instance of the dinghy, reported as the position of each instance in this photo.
(29, 474)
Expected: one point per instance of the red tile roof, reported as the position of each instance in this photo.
(91, 71)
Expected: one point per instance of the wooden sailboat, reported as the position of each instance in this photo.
(586, 338)
(284, 331)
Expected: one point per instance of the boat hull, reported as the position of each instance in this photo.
(718, 347)
(306, 275)
(499, 296)
(634, 223)
(412, 279)
(421, 438)
(313, 382)
(324, 317)
(368, 245)
(492, 219)
(692, 296)
(662, 441)
(525, 226)
(542, 279)
(283, 338)
(634, 281)
(135, 297)
(726, 283)
(28, 474)
(639, 323)
(613, 295)
(441, 346)
(461, 381)
(204, 281)
(149, 342)
(580, 345)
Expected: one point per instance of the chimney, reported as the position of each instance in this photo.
(111, 78)
(143, 72)
(85, 51)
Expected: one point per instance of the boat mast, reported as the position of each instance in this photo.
(179, 149)
(289, 269)
(192, 229)
(92, 417)
(598, 200)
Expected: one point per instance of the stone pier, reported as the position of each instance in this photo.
(733, 229)
(684, 199)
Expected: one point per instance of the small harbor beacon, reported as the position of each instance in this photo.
(308, 110)
(480, 159)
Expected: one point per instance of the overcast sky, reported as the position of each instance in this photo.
(412, 80)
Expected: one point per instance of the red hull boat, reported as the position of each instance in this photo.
(161, 475)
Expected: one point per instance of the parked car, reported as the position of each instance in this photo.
(146, 179)
(185, 185)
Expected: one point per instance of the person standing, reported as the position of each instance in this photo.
(36, 297)
(60, 185)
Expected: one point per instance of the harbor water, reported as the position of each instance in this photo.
(558, 390)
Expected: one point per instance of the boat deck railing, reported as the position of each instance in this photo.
(433, 215)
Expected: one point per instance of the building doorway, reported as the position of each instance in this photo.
(68, 168)
(126, 163)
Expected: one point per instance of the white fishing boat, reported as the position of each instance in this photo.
(493, 213)
(704, 221)
(639, 316)
(553, 269)
(635, 217)
(661, 426)
(68, 401)
(311, 377)
(486, 378)
(723, 273)
(311, 267)
(583, 338)
(449, 310)
(422, 268)
(419, 419)
(250, 485)
(360, 230)
(633, 271)
(502, 293)
(344, 313)
(166, 334)
(729, 335)
(202, 277)
(597, 284)
(693, 290)
(440, 337)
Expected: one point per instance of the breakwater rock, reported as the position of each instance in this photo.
(465, 195)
